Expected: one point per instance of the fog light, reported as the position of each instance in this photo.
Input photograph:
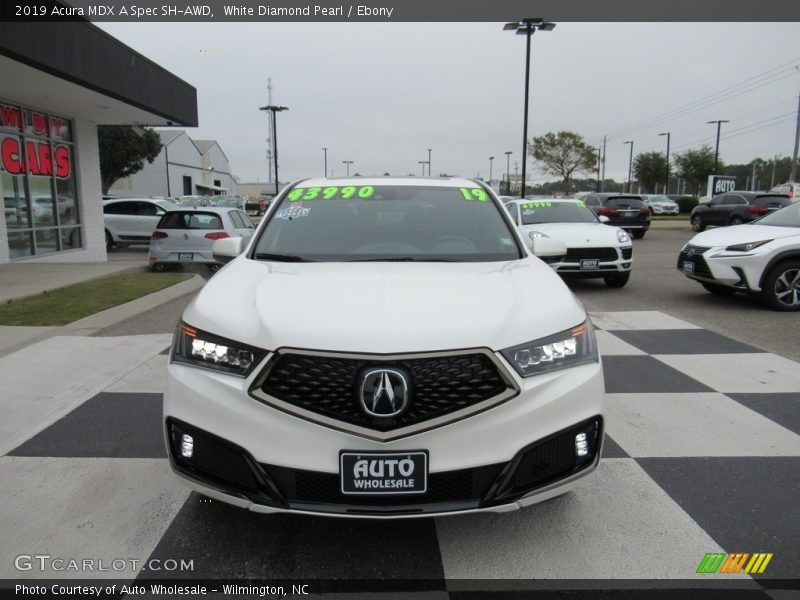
(581, 445)
(187, 446)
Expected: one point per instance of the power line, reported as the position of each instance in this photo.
(752, 83)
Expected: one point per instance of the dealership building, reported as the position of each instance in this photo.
(60, 81)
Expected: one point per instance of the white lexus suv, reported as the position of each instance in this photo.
(384, 347)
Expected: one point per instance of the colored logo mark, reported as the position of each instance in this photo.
(720, 562)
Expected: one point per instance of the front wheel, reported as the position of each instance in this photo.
(736, 220)
(781, 289)
(697, 224)
(617, 281)
(109, 241)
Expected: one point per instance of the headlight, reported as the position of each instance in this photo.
(746, 247)
(195, 347)
(537, 234)
(576, 346)
(622, 236)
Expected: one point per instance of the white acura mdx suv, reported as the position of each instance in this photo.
(384, 347)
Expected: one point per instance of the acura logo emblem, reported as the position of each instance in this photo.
(384, 393)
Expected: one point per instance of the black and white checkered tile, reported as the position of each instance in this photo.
(702, 455)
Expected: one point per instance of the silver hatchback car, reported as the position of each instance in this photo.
(185, 236)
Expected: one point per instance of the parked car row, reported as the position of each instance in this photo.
(735, 208)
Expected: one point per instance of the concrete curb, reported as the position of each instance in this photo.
(116, 314)
(97, 322)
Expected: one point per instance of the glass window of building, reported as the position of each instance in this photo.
(37, 181)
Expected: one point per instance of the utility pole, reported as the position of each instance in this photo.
(270, 133)
(603, 178)
(772, 181)
(753, 179)
(598, 168)
(793, 173)
(718, 123)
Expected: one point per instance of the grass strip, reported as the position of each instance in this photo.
(68, 304)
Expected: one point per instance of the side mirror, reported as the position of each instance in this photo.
(226, 249)
(547, 247)
(603, 219)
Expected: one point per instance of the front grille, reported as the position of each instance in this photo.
(330, 385)
(604, 254)
(700, 266)
(312, 487)
(627, 253)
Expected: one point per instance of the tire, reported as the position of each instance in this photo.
(638, 234)
(736, 220)
(214, 268)
(781, 290)
(719, 290)
(109, 241)
(697, 223)
(159, 267)
(617, 281)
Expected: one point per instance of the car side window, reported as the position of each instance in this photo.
(246, 220)
(145, 209)
(237, 220)
(718, 200)
(592, 201)
(120, 208)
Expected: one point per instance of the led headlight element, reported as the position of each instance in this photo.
(622, 236)
(746, 247)
(537, 234)
(569, 348)
(207, 350)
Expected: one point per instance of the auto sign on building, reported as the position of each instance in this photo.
(720, 184)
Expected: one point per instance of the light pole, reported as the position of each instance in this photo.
(666, 181)
(716, 151)
(273, 109)
(630, 165)
(325, 150)
(429, 161)
(348, 163)
(491, 158)
(423, 163)
(527, 27)
(508, 154)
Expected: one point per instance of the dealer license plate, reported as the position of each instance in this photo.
(688, 267)
(383, 474)
(590, 263)
(186, 256)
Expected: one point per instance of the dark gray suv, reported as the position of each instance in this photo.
(626, 211)
(735, 208)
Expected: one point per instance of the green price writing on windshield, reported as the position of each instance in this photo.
(331, 192)
(538, 204)
(474, 194)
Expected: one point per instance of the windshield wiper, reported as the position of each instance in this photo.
(282, 257)
(401, 259)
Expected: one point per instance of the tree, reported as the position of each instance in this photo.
(123, 150)
(695, 166)
(650, 168)
(563, 154)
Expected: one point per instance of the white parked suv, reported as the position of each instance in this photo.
(384, 347)
(761, 257)
(132, 220)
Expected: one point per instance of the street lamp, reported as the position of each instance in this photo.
(325, 150)
(527, 27)
(273, 109)
(630, 165)
(348, 163)
(423, 163)
(491, 158)
(429, 161)
(716, 151)
(666, 182)
(508, 171)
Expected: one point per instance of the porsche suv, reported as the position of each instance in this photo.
(384, 348)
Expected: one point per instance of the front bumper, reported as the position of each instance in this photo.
(737, 270)
(571, 266)
(257, 457)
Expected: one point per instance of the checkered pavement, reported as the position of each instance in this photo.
(702, 455)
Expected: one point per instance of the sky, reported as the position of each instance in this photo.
(381, 94)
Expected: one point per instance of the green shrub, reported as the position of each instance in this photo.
(687, 203)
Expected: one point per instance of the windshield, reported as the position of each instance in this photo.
(553, 211)
(788, 216)
(392, 222)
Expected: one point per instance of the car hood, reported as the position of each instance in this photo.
(741, 234)
(577, 234)
(384, 307)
